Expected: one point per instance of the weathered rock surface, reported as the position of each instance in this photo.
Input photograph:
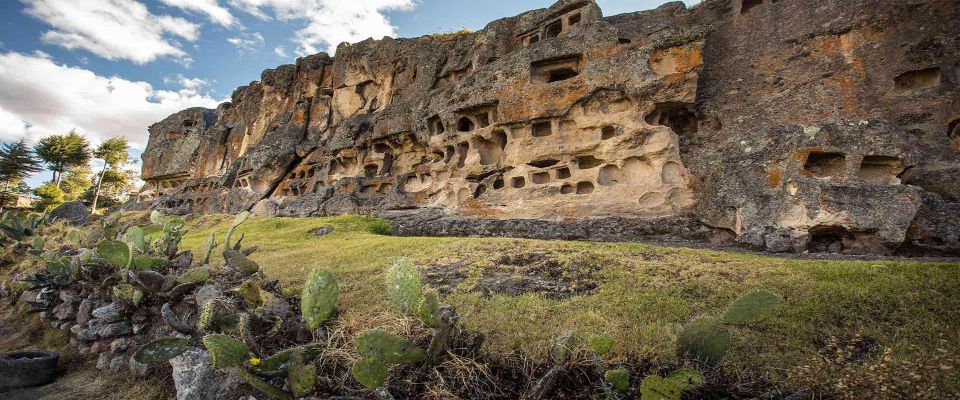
(779, 125)
(195, 378)
(73, 212)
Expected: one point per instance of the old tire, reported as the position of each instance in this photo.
(27, 368)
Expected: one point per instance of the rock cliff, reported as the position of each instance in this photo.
(782, 125)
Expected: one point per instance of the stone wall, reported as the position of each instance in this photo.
(782, 125)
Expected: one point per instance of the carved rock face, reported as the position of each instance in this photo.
(754, 121)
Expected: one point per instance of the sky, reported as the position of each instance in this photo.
(112, 67)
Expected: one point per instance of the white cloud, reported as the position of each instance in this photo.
(113, 29)
(247, 42)
(211, 8)
(53, 99)
(328, 22)
(280, 51)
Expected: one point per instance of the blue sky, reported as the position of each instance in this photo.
(112, 67)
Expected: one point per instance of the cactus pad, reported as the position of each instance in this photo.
(135, 238)
(319, 298)
(279, 362)
(705, 339)
(687, 378)
(208, 249)
(259, 384)
(301, 375)
(194, 275)
(161, 350)
(619, 378)
(127, 293)
(403, 285)
(239, 262)
(752, 307)
(156, 218)
(226, 351)
(116, 253)
(142, 263)
(655, 387)
(369, 372)
(250, 292)
(562, 346)
(389, 348)
(600, 344)
(429, 310)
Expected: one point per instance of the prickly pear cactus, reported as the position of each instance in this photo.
(142, 263)
(600, 344)
(404, 286)
(250, 292)
(686, 378)
(208, 249)
(278, 363)
(369, 372)
(156, 218)
(655, 387)
(619, 378)
(194, 275)
(239, 262)
(115, 253)
(301, 375)
(161, 350)
(562, 346)
(36, 244)
(226, 351)
(752, 307)
(86, 256)
(239, 219)
(429, 309)
(705, 339)
(389, 348)
(319, 298)
(268, 389)
(127, 293)
(135, 238)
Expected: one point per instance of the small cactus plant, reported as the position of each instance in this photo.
(161, 350)
(369, 372)
(619, 378)
(208, 249)
(194, 275)
(429, 310)
(600, 344)
(239, 219)
(127, 293)
(226, 351)
(655, 387)
(705, 339)
(115, 253)
(752, 307)
(404, 286)
(389, 348)
(134, 237)
(319, 298)
(301, 375)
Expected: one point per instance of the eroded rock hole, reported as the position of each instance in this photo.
(465, 125)
(555, 69)
(518, 182)
(436, 125)
(624, 41)
(609, 132)
(462, 150)
(824, 164)
(584, 187)
(381, 148)
(498, 183)
(747, 5)
(481, 189)
(541, 129)
(489, 150)
(567, 189)
(828, 239)
(543, 163)
(672, 173)
(370, 170)
(881, 170)
(483, 120)
(553, 29)
(953, 134)
(189, 123)
(449, 154)
(921, 79)
(609, 175)
(588, 161)
(540, 178)
(563, 173)
(500, 137)
(677, 116)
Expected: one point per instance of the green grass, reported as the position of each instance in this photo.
(643, 295)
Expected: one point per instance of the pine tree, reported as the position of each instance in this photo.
(17, 162)
(113, 152)
(61, 152)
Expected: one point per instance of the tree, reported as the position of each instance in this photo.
(113, 152)
(17, 162)
(50, 196)
(60, 152)
(76, 181)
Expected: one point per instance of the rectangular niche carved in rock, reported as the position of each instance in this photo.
(556, 69)
(541, 129)
(915, 80)
(822, 165)
(881, 170)
(747, 5)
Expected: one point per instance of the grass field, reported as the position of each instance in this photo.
(884, 326)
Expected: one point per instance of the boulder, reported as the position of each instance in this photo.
(71, 212)
(109, 313)
(115, 329)
(195, 378)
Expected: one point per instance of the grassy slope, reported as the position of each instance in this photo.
(644, 294)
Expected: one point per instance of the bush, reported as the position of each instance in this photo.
(380, 227)
(50, 196)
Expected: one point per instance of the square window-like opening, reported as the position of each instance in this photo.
(747, 5)
(573, 20)
(561, 74)
(542, 128)
(553, 29)
(822, 165)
